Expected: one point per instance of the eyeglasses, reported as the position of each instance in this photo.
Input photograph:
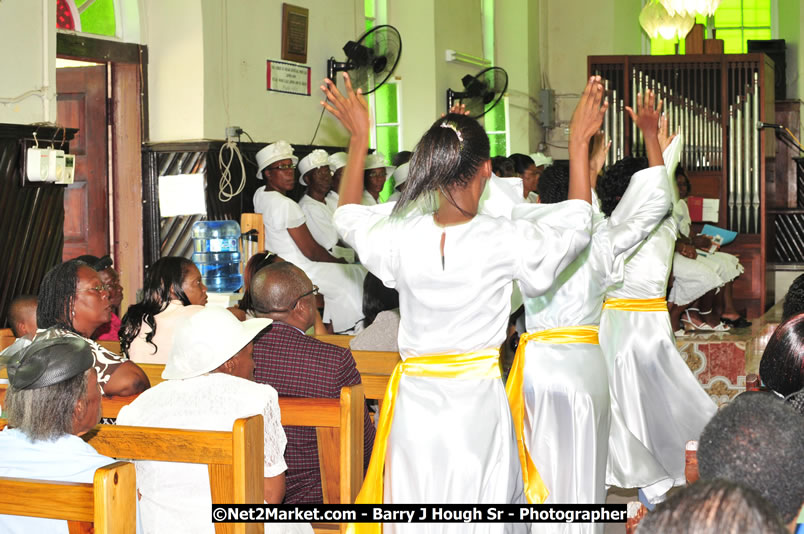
(98, 289)
(313, 292)
(284, 167)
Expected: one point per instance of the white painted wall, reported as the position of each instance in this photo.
(28, 61)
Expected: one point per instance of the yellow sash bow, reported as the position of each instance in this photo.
(535, 490)
(638, 305)
(480, 364)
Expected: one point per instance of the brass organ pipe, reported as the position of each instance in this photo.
(615, 122)
(731, 195)
(738, 158)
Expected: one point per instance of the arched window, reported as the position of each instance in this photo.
(87, 16)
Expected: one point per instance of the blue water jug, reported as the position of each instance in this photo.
(217, 254)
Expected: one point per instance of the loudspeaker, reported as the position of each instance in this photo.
(775, 49)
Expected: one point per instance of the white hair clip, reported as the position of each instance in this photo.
(452, 126)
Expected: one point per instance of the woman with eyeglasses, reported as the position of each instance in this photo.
(111, 279)
(287, 234)
(73, 301)
(446, 434)
(172, 292)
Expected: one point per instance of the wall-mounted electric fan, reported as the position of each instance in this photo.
(371, 60)
(480, 92)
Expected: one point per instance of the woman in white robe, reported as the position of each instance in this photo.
(287, 235)
(567, 403)
(662, 403)
(452, 439)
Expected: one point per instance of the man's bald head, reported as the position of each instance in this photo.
(276, 288)
(22, 315)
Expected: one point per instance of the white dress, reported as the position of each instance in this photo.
(452, 440)
(567, 401)
(341, 284)
(693, 278)
(662, 403)
(332, 200)
(319, 221)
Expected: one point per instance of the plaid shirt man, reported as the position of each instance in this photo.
(297, 365)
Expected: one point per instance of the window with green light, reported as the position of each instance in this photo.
(735, 21)
(495, 123)
(87, 16)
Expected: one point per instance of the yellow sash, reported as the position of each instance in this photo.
(535, 490)
(638, 305)
(480, 364)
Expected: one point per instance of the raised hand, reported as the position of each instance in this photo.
(351, 110)
(597, 158)
(664, 133)
(588, 115)
(648, 112)
(457, 108)
(647, 119)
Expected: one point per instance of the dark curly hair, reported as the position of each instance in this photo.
(164, 275)
(57, 294)
(757, 440)
(503, 167)
(554, 184)
(782, 367)
(521, 162)
(447, 156)
(794, 299)
(612, 185)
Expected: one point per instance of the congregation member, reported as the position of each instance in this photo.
(73, 302)
(758, 440)
(702, 278)
(287, 234)
(566, 408)
(53, 398)
(445, 433)
(782, 365)
(540, 162)
(22, 316)
(209, 383)
(381, 325)
(794, 299)
(337, 164)
(400, 176)
(111, 279)
(502, 167)
(374, 176)
(297, 365)
(663, 405)
(173, 291)
(713, 507)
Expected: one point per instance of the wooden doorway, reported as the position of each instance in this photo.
(82, 105)
(125, 104)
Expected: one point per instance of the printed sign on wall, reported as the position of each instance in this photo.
(286, 77)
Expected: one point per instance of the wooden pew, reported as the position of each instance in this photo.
(6, 341)
(108, 504)
(234, 459)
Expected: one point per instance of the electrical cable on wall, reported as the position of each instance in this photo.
(225, 193)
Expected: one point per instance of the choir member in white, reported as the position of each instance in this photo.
(287, 234)
(374, 176)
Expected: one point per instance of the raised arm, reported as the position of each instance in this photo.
(352, 111)
(585, 123)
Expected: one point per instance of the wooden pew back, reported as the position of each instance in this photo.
(108, 504)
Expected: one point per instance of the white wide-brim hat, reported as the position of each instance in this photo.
(274, 152)
(377, 161)
(206, 340)
(540, 159)
(401, 174)
(337, 161)
(315, 159)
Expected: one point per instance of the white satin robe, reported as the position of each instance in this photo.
(452, 440)
(567, 411)
(662, 403)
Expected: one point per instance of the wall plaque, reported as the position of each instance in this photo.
(294, 33)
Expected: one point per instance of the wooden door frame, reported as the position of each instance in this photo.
(127, 109)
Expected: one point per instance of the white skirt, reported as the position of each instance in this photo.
(692, 279)
(661, 402)
(342, 287)
(452, 441)
(566, 432)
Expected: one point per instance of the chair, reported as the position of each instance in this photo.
(108, 504)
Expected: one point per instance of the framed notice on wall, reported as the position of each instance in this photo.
(290, 78)
(294, 33)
